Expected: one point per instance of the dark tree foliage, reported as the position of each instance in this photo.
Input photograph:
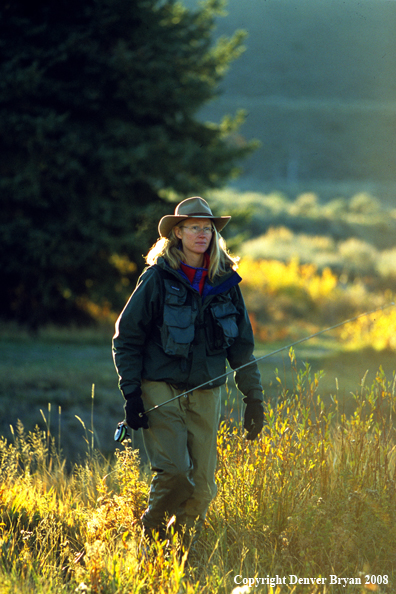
(98, 103)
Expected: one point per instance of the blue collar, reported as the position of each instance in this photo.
(226, 285)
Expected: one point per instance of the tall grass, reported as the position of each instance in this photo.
(314, 496)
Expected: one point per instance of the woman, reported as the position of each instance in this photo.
(185, 318)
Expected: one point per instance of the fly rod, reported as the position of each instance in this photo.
(121, 431)
(289, 346)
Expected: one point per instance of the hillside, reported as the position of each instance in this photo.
(318, 81)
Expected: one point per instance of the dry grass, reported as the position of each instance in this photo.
(314, 496)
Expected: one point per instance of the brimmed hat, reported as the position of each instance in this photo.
(190, 208)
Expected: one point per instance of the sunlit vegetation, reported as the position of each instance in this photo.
(308, 264)
(314, 496)
(376, 331)
(288, 298)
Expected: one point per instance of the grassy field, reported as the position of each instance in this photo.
(311, 504)
(306, 265)
(47, 381)
(312, 499)
(59, 368)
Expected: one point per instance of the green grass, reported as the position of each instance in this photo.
(60, 368)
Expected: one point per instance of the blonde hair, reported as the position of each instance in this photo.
(170, 249)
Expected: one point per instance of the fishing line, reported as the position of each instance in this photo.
(289, 346)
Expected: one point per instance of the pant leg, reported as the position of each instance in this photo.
(181, 446)
(166, 446)
(202, 409)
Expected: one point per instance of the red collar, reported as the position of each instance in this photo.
(197, 276)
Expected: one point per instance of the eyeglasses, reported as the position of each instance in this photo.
(196, 229)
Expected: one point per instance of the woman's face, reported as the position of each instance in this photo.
(195, 234)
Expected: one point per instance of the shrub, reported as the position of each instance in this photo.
(363, 203)
(377, 331)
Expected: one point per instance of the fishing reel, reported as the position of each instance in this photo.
(121, 432)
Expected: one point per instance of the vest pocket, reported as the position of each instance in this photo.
(177, 331)
(222, 328)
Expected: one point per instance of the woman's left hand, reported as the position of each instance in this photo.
(254, 418)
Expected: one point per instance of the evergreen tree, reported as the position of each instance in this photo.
(98, 104)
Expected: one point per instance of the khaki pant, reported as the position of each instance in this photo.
(181, 444)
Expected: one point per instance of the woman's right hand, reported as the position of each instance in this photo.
(133, 409)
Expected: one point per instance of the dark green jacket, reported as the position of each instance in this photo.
(168, 332)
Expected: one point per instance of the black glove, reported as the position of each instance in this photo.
(133, 408)
(254, 418)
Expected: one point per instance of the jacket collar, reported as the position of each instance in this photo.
(218, 285)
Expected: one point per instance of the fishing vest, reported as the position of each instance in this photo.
(187, 320)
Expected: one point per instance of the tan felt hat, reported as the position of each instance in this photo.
(190, 208)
